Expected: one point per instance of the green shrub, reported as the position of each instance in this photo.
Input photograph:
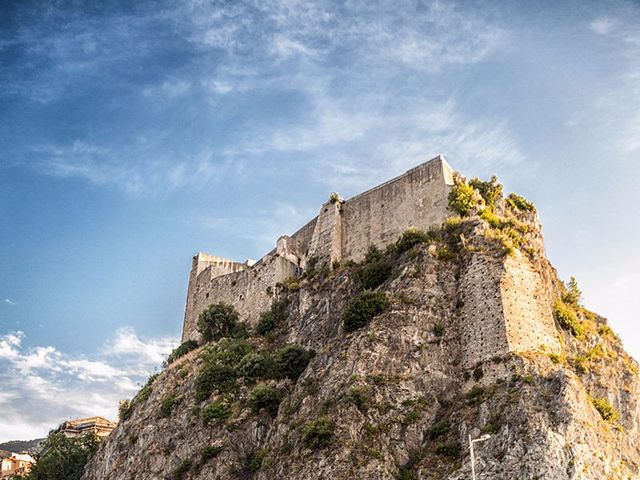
(567, 318)
(217, 321)
(210, 452)
(572, 293)
(63, 458)
(291, 360)
(317, 434)
(477, 395)
(438, 330)
(410, 418)
(490, 191)
(265, 397)
(253, 366)
(463, 198)
(272, 318)
(374, 273)
(215, 411)
(362, 308)
(125, 409)
(335, 197)
(373, 254)
(449, 449)
(360, 397)
(478, 373)
(605, 409)
(182, 349)
(493, 425)
(266, 323)
(410, 238)
(228, 351)
(214, 377)
(256, 459)
(167, 404)
(520, 203)
(438, 429)
(145, 391)
(181, 470)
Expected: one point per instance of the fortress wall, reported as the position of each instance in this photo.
(326, 243)
(527, 303)
(303, 236)
(246, 290)
(482, 329)
(379, 216)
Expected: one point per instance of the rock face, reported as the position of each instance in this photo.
(468, 345)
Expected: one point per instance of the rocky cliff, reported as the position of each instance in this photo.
(383, 369)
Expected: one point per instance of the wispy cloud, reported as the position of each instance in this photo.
(8, 301)
(602, 25)
(43, 386)
(345, 71)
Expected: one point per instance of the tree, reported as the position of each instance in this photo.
(64, 458)
(217, 321)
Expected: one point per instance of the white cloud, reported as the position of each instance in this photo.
(602, 25)
(43, 386)
(8, 301)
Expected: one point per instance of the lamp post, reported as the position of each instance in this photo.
(473, 457)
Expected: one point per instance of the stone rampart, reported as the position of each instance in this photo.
(342, 230)
(249, 291)
(419, 199)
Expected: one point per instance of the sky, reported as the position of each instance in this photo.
(135, 134)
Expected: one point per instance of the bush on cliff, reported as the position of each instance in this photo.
(490, 190)
(253, 366)
(214, 377)
(605, 409)
(463, 198)
(410, 238)
(265, 397)
(362, 308)
(567, 318)
(272, 318)
(217, 321)
(64, 458)
(520, 203)
(318, 433)
(291, 360)
(182, 349)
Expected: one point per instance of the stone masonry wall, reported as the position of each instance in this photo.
(419, 199)
(482, 330)
(246, 290)
(527, 304)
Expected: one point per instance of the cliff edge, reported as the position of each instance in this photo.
(384, 369)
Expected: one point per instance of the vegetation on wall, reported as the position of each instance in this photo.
(217, 321)
(272, 318)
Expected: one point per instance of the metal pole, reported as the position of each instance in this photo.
(473, 460)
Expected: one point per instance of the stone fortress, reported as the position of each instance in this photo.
(506, 306)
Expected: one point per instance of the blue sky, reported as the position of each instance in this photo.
(134, 134)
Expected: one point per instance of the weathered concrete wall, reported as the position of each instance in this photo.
(380, 215)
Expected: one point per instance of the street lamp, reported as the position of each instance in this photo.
(473, 457)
